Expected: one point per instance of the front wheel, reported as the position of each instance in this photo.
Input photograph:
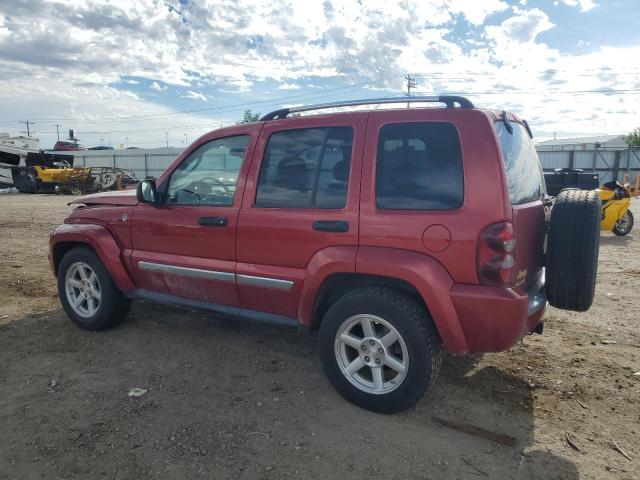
(87, 293)
(379, 349)
(624, 225)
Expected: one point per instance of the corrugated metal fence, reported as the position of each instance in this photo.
(609, 164)
(143, 162)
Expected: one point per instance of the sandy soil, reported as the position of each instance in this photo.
(229, 399)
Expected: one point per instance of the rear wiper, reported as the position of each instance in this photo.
(507, 125)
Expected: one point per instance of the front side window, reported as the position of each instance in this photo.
(209, 175)
(306, 168)
(419, 167)
(525, 180)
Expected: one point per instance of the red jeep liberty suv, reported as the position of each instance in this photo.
(393, 232)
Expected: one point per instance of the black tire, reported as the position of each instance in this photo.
(572, 249)
(414, 325)
(113, 307)
(623, 229)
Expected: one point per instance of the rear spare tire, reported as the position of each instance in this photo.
(572, 249)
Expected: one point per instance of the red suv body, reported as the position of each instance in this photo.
(279, 220)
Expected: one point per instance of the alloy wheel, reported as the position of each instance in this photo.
(371, 354)
(82, 288)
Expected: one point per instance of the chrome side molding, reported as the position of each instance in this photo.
(264, 282)
(187, 272)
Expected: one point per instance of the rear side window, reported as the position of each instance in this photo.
(525, 180)
(419, 167)
(306, 168)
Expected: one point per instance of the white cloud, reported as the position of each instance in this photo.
(195, 95)
(523, 27)
(157, 87)
(288, 86)
(585, 5)
(476, 12)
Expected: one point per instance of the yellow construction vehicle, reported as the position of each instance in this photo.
(54, 173)
(616, 216)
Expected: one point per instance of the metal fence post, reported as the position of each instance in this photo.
(616, 164)
(114, 160)
(146, 167)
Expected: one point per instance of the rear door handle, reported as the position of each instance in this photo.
(213, 221)
(331, 226)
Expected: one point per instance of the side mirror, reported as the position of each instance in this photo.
(146, 191)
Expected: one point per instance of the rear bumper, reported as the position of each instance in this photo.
(493, 319)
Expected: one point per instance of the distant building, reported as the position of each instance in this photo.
(607, 155)
(605, 142)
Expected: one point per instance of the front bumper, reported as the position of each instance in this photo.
(493, 319)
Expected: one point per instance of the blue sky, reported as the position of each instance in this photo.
(124, 73)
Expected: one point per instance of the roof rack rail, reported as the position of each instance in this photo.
(449, 100)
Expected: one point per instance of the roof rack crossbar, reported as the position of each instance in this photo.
(449, 100)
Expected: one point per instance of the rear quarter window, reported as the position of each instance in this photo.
(525, 180)
(419, 167)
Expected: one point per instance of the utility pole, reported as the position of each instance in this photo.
(411, 83)
(57, 125)
(166, 137)
(185, 140)
(27, 123)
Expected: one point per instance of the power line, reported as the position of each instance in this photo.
(539, 92)
(161, 129)
(219, 109)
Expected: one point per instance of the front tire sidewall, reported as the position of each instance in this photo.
(621, 232)
(113, 306)
(418, 376)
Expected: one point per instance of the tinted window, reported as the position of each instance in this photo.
(525, 180)
(209, 175)
(306, 168)
(419, 167)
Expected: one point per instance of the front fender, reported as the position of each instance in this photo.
(431, 280)
(102, 242)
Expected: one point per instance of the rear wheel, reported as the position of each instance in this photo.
(87, 293)
(379, 349)
(572, 249)
(624, 225)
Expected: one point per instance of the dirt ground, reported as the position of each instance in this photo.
(230, 399)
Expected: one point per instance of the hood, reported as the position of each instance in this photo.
(118, 197)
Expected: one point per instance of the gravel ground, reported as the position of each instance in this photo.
(230, 399)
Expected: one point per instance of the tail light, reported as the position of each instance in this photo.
(496, 250)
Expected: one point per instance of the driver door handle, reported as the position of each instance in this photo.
(213, 221)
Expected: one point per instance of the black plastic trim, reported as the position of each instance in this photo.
(245, 313)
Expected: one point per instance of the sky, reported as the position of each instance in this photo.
(148, 73)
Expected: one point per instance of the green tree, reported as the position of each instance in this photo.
(249, 117)
(633, 139)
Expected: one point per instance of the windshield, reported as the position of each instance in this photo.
(525, 179)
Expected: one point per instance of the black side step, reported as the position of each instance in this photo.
(226, 310)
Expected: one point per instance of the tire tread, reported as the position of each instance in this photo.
(572, 249)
